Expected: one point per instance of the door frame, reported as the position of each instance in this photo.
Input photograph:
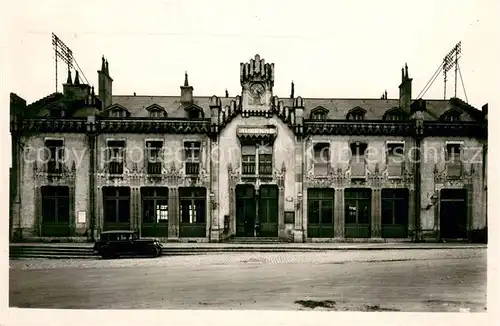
(245, 228)
(352, 230)
(268, 229)
(464, 199)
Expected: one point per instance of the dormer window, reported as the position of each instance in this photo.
(356, 114)
(319, 113)
(57, 113)
(195, 114)
(451, 116)
(156, 114)
(156, 111)
(118, 113)
(394, 115)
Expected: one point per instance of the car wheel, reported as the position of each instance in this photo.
(106, 253)
(155, 252)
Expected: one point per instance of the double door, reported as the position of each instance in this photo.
(256, 214)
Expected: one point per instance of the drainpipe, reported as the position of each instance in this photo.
(92, 137)
(418, 181)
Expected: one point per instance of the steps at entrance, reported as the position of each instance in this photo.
(257, 240)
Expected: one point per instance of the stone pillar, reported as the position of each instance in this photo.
(72, 213)
(173, 214)
(136, 212)
(216, 225)
(376, 222)
(299, 235)
(411, 213)
(281, 211)
(338, 218)
(470, 208)
(38, 213)
(99, 217)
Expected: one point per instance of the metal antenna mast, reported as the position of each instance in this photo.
(62, 52)
(450, 61)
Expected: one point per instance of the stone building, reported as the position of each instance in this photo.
(194, 168)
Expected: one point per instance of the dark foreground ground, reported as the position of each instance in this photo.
(386, 280)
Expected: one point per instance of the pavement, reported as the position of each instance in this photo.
(285, 245)
(375, 280)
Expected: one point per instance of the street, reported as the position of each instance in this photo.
(374, 280)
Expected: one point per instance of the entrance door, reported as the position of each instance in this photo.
(395, 213)
(320, 213)
(245, 210)
(357, 212)
(154, 212)
(55, 211)
(453, 213)
(268, 211)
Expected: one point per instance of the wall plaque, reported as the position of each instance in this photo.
(82, 217)
(289, 217)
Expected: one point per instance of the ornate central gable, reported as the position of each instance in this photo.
(257, 133)
(257, 81)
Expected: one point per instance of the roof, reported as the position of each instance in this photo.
(337, 108)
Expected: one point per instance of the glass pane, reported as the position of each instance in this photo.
(350, 211)
(364, 212)
(313, 212)
(161, 211)
(110, 211)
(124, 210)
(63, 209)
(48, 210)
(327, 212)
(185, 211)
(200, 211)
(148, 213)
(387, 211)
(401, 212)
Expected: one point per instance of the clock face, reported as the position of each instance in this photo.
(257, 90)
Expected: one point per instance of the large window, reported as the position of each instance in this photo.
(116, 156)
(454, 160)
(395, 158)
(358, 161)
(116, 202)
(154, 151)
(55, 149)
(257, 158)
(192, 150)
(321, 158)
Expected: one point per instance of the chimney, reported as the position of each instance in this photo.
(405, 89)
(186, 91)
(105, 84)
(293, 90)
(75, 90)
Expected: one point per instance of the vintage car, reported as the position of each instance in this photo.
(113, 244)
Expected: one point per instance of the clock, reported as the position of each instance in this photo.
(257, 90)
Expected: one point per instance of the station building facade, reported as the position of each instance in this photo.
(218, 168)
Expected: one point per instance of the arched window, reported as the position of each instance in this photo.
(356, 114)
(394, 114)
(118, 113)
(451, 115)
(156, 113)
(319, 113)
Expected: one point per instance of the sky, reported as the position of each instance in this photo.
(338, 49)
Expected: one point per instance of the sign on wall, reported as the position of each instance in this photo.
(82, 217)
